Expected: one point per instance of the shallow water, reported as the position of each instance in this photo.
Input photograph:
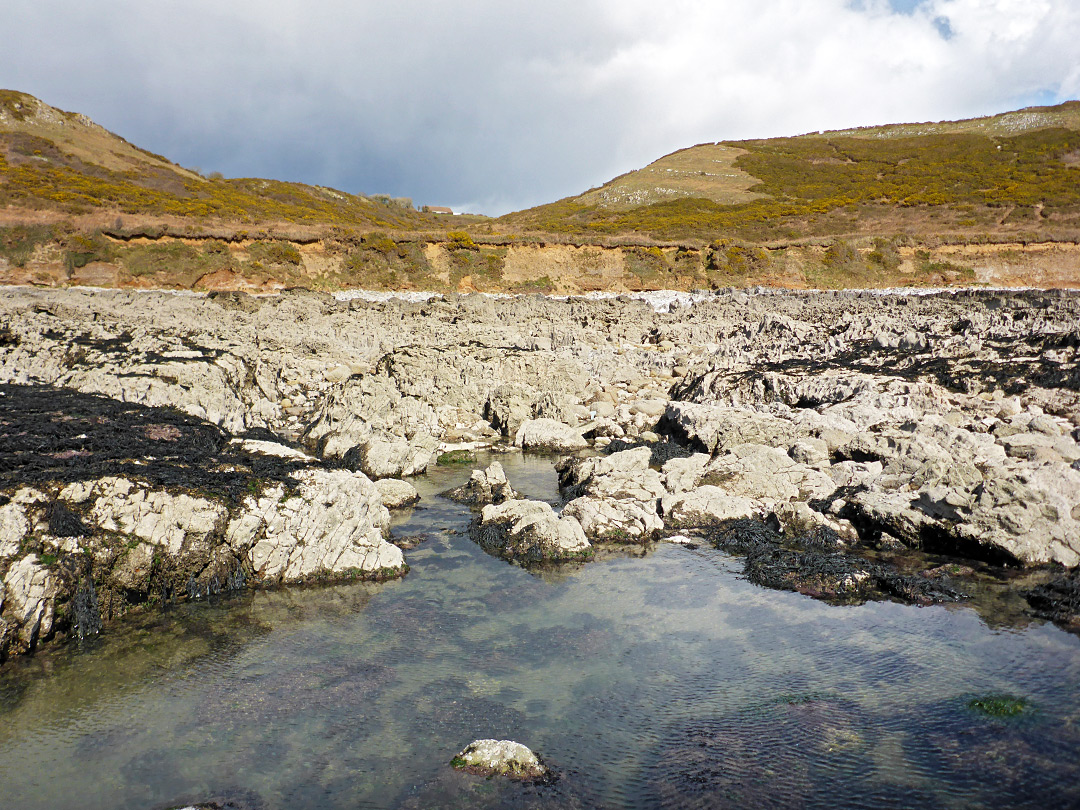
(655, 680)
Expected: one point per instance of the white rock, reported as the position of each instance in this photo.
(529, 531)
(334, 525)
(684, 474)
(606, 519)
(625, 475)
(549, 435)
(706, 504)
(174, 522)
(385, 456)
(396, 493)
(30, 590)
(500, 757)
(14, 526)
(273, 449)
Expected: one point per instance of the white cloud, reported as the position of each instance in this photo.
(507, 105)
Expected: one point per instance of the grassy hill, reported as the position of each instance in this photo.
(993, 200)
(63, 162)
(1014, 176)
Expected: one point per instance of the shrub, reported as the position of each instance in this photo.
(18, 242)
(459, 240)
(275, 252)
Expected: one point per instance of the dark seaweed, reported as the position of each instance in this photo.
(52, 434)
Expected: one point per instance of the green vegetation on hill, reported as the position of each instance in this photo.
(957, 181)
(59, 161)
(869, 207)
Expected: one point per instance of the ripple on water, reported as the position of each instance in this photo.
(661, 681)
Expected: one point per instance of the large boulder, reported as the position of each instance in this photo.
(529, 531)
(396, 493)
(715, 428)
(623, 475)
(684, 474)
(508, 406)
(27, 602)
(1034, 519)
(389, 456)
(549, 436)
(334, 525)
(178, 523)
(706, 505)
(611, 520)
(766, 474)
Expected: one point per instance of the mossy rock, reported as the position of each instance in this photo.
(456, 457)
(1000, 705)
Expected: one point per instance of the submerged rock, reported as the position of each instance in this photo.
(501, 758)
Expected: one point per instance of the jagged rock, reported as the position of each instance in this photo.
(396, 493)
(333, 525)
(1034, 520)
(810, 451)
(501, 758)
(178, 523)
(508, 406)
(704, 505)
(27, 601)
(395, 457)
(529, 531)
(550, 436)
(14, 525)
(854, 473)
(614, 520)
(625, 475)
(716, 428)
(766, 474)
(556, 407)
(684, 474)
(483, 487)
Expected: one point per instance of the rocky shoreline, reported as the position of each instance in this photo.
(924, 448)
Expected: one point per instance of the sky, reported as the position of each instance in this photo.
(490, 106)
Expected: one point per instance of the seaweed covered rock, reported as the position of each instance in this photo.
(483, 487)
(615, 520)
(1058, 600)
(529, 532)
(501, 758)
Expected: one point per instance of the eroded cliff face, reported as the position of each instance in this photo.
(377, 262)
(165, 446)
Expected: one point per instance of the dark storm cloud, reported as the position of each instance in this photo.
(494, 106)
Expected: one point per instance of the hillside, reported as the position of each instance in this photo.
(64, 163)
(1014, 176)
(992, 200)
